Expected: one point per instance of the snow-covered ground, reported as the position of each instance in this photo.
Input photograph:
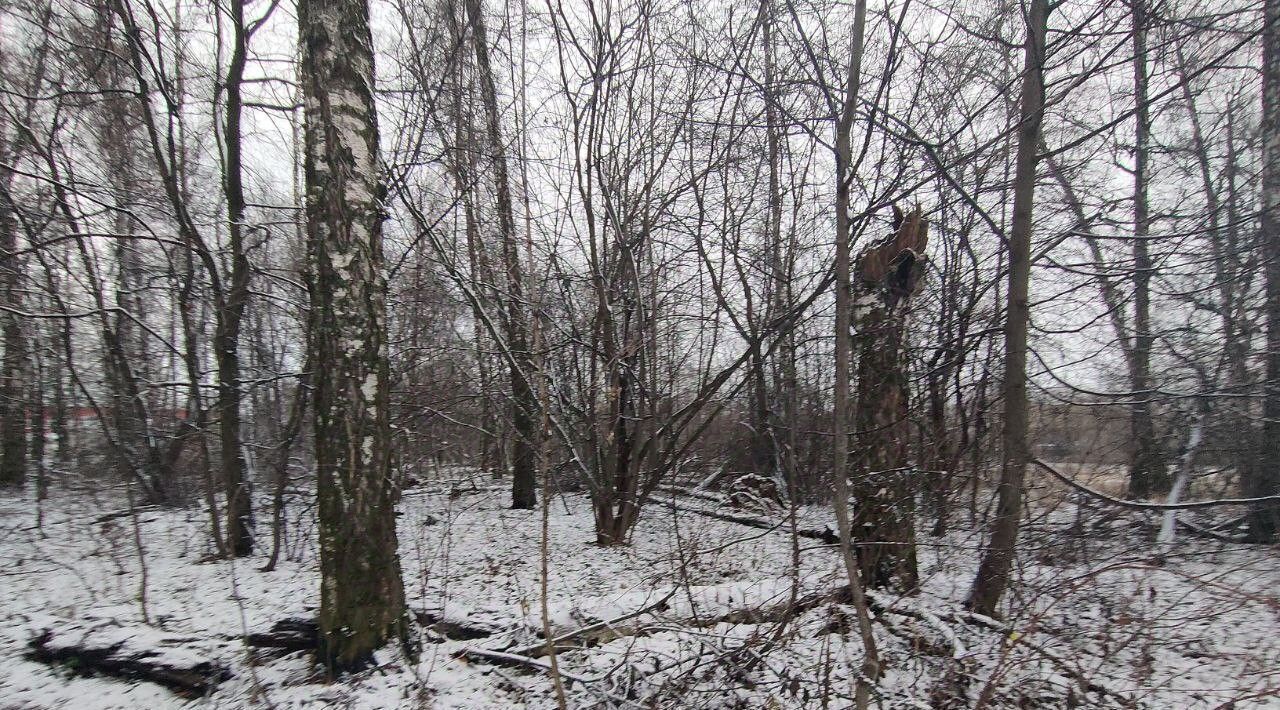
(1093, 622)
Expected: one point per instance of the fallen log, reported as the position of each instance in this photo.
(699, 607)
(299, 634)
(287, 636)
(825, 535)
(136, 510)
(134, 653)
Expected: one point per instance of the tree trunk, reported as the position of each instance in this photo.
(1264, 519)
(524, 405)
(362, 593)
(13, 417)
(884, 488)
(993, 571)
(462, 161)
(616, 509)
(1224, 245)
(869, 673)
(14, 366)
(883, 521)
(1148, 472)
(39, 422)
(61, 432)
(239, 527)
(940, 452)
(770, 453)
(784, 429)
(137, 446)
(292, 428)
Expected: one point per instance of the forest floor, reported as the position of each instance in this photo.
(734, 616)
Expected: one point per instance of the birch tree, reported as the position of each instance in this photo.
(362, 594)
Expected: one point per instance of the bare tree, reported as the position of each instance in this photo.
(239, 527)
(1148, 472)
(514, 309)
(13, 437)
(15, 141)
(840, 415)
(997, 560)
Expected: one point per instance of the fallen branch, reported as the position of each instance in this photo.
(882, 604)
(1211, 533)
(504, 658)
(692, 493)
(298, 634)
(594, 634)
(455, 629)
(1017, 639)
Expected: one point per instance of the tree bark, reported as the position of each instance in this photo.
(362, 593)
(13, 418)
(1264, 519)
(993, 571)
(884, 487)
(1148, 472)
